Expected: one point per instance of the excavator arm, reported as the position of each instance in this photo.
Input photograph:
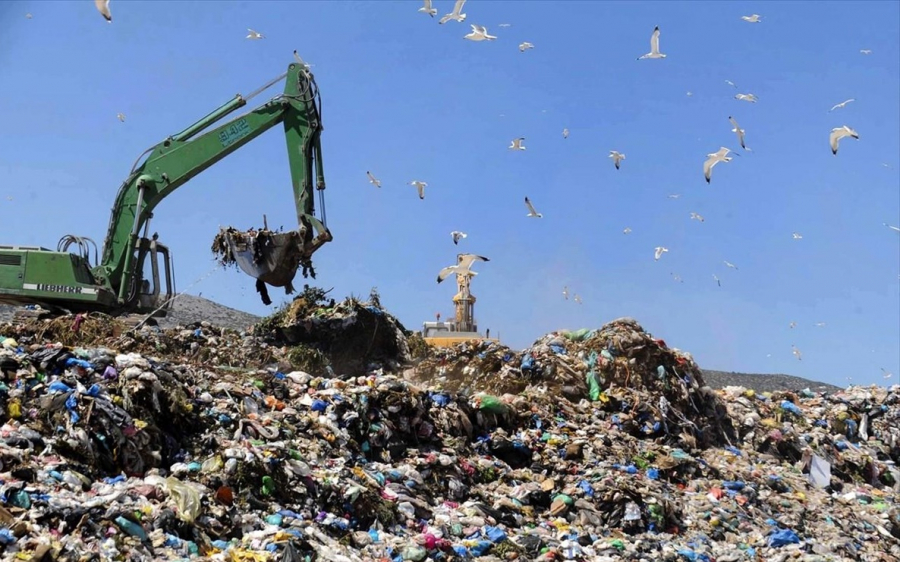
(173, 162)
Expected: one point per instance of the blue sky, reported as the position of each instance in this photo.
(410, 99)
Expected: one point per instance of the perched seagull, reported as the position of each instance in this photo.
(566, 292)
(719, 283)
(659, 251)
(695, 216)
(254, 34)
(796, 352)
(797, 236)
(565, 133)
(103, 8)
(456, 235)
(730, 83)
(654, 47)
(420, 186)
(479, 33)
(531, 211)
(731, 265)
(740, 132)
(373, 180)
(866, 51)
(617, 157)
(838, 133)
(627, 230)
(891, 227)
(121, 117)
(842, 104)
(746, 97)
(577, 299)
(464, 267)
(516, 144)
(456, 14)
(714, 158)
(674, 196)
(752, 19)
(524, 46)
(428, 9)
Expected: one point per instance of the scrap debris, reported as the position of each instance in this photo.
(601, 445)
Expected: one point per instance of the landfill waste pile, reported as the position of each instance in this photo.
(208, 444)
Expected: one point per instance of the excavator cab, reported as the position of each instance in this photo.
(152, 286)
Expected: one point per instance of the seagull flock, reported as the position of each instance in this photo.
(479, 33)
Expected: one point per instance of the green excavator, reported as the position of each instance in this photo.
(135, 275)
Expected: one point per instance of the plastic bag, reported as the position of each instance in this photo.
(187, 499)
(492, 404)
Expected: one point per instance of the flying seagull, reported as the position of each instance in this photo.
(420, 186)
(565, 133)
(531, 211)
(746, 97)
(887, 374)
(479, 33)
(752, 19)
(577, 299)
(689, 94)
(464, 267)
(719, 283)
(838, 133)
(676, 277)
(796, 352)
(103, 8)
(456, 235)
(121, 117)
(373, 180)
(714, 158)
(695, 216)
(617, 157)
(891, 227)
(626, 230)
(842, 104)
(516, 144)
(254, 34)
(730, 83)
(654, 47)
(866, 51)
(740, 132)
(456, 14)
(659, 251)
(797, 236)
(792, 325)
(525, 45)
(731, 265)
(504, 25)
(674, 196)
(28, 16)
(566, 292)
(301, 61)
(428, 9)
(820, 324)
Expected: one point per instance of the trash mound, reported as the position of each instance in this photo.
(90, 329)
(122, 456)
(347, 338)
(649, 389)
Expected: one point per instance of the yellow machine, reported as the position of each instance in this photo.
(463, 327)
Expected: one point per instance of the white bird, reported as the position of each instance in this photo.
(838, 133)
(796, 352)
(121, 117)
(887, 374)
(420, 187)
(479, 33)
(891, 227)
(456, 14)
(566, 292)
(689, 94)
(842, 104)
(752, 19)
(719, 283)
(730, 83)
(457, 235)
(565, 133)
(797, 236)
(531, 211)
(301, 61)
(525, 45)
(103, 7)
(792, 325)
(654, 47)
(627, 230)
(428, 9)
(577, 299)
(674, 196)
(676, 277)
(505, 25)
(695, 216)
(820, 324)
(373, 180)
(464, 267)
(254, 34)
(866, 51)
(516, 144)
(739, 132)
(714, 158)
(617, 157)
(746, 97)
(659, 251)
(731, 265)
(28, 16)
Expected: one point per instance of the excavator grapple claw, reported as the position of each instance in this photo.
(269, 257)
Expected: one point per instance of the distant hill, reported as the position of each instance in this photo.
(188, 309)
